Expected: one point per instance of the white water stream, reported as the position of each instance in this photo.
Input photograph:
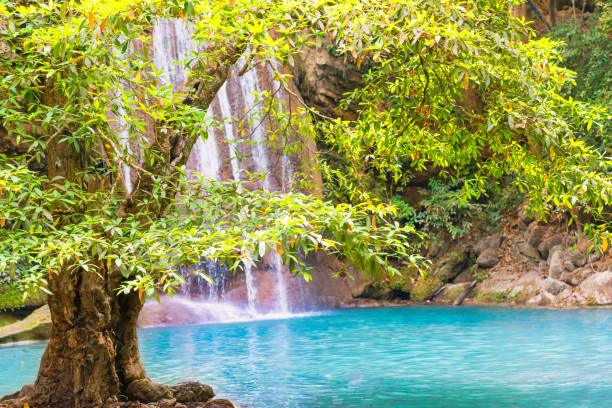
(172, 44)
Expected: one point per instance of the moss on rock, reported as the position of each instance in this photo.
(425, 287)
(37, 326)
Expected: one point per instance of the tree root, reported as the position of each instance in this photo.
(141, 394)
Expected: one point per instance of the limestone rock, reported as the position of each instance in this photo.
(597, 288)
(535, 233)
(146, 390)
(37, 326)
(492, 242)
(488, 258)
(192, 391)
(530, 252)
(556, 248)
(554, 287)
(542, 299)
(568, 266)
(555, 268)
(569, 278)
(578, 255)
(547, 244)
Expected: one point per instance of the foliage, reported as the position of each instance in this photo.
(588, 52)
(442, 210)
(10, 298)
(452, 91)
(59, 82)
(72, 98)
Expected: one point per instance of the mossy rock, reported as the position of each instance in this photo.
(12, 299)
(37, 326)
(492, 297)
(425, 287)
(451, 292)
(450, 265)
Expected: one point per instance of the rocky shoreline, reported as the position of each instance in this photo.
(526, 263)
(186, 394)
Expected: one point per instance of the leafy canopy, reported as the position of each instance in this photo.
(461, 90)
(78, 76)
(448, 88)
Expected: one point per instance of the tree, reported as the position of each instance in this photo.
(71, 227)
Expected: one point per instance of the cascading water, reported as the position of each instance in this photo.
(221, 156)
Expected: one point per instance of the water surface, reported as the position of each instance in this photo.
(400, 357)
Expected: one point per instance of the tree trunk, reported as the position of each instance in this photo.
(92, 357)
(78, 368)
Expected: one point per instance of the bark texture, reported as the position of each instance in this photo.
(92, 359)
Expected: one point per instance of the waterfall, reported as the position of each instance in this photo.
(250, 91)
(281, 288)
(236, 100)
(251, 289)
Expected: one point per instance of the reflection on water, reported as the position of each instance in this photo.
(408, 357)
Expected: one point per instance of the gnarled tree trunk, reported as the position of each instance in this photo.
(92, 359)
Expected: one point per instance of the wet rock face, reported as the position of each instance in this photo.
(323, 79)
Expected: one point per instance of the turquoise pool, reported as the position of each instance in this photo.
(397, 357)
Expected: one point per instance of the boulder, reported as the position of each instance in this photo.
(578, 254)
(165, 403)
(492, 242)
(556, 248)
(568, 266)
(524, 217)
(534, 234)
(569, 278)
(425, 288)
(452, 292)
(467, 275)
(542, 299)
(530, 252)
(488, 258)
(547, 244)
(37, 326)
(146, 390)
(554, 287)
(555, 268)
(597, 288)
(192, 391)
(450, 265)
(219, 403)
